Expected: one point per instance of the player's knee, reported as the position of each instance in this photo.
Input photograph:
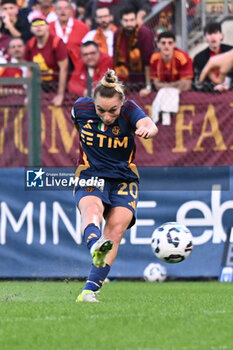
(95, 209)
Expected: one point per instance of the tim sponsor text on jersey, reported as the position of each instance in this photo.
(104, 140)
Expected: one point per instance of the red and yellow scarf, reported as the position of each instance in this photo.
(100, 38)
(127, 55)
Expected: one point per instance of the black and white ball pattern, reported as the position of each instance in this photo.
(172, 242)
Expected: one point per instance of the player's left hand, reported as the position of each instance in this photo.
(144, 132)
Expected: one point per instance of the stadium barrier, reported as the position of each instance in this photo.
(20, 110)
(200, 134)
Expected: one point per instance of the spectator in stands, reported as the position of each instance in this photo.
(103, 35)
(45, 8)
(12, 24)
(16, 55)
(141, 7)
(213, 35)
(93, 67)
(133, 47)
(222, 62)
(16, 52)
(170, 66)
(69, 29)
(51, 54)
(172, 73)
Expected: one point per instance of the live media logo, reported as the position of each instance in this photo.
(35, 178)
(58, 179)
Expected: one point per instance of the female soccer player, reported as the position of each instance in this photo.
(107, 179)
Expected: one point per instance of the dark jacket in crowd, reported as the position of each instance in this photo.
(22, 26)
(199, 62)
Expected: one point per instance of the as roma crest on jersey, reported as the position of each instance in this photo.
(116, 130)
(90, 189)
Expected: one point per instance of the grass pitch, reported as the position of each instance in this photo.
(130, 316)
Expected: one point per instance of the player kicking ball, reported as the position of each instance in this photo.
(107, 124)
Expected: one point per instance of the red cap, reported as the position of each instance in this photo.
(39, 17)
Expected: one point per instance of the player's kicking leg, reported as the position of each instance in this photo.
(99, 248)
(98, 274)
(92, 208)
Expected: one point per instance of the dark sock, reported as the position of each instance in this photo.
(96, 277)
(91, 235)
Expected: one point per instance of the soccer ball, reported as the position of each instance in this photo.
(172, 242)
(155, 273)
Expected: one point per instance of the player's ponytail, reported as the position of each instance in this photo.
(109, 86)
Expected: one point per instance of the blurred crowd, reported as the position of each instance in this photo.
(75, 42)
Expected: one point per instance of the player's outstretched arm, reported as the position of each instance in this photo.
(146, 128)
(223, 63)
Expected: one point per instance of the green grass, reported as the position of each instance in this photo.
(130, 316)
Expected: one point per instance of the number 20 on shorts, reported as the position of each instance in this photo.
(128, 188)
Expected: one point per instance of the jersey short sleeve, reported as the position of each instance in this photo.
(132, 112)
(81, 104)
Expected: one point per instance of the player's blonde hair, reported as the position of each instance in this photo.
(109, 86)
